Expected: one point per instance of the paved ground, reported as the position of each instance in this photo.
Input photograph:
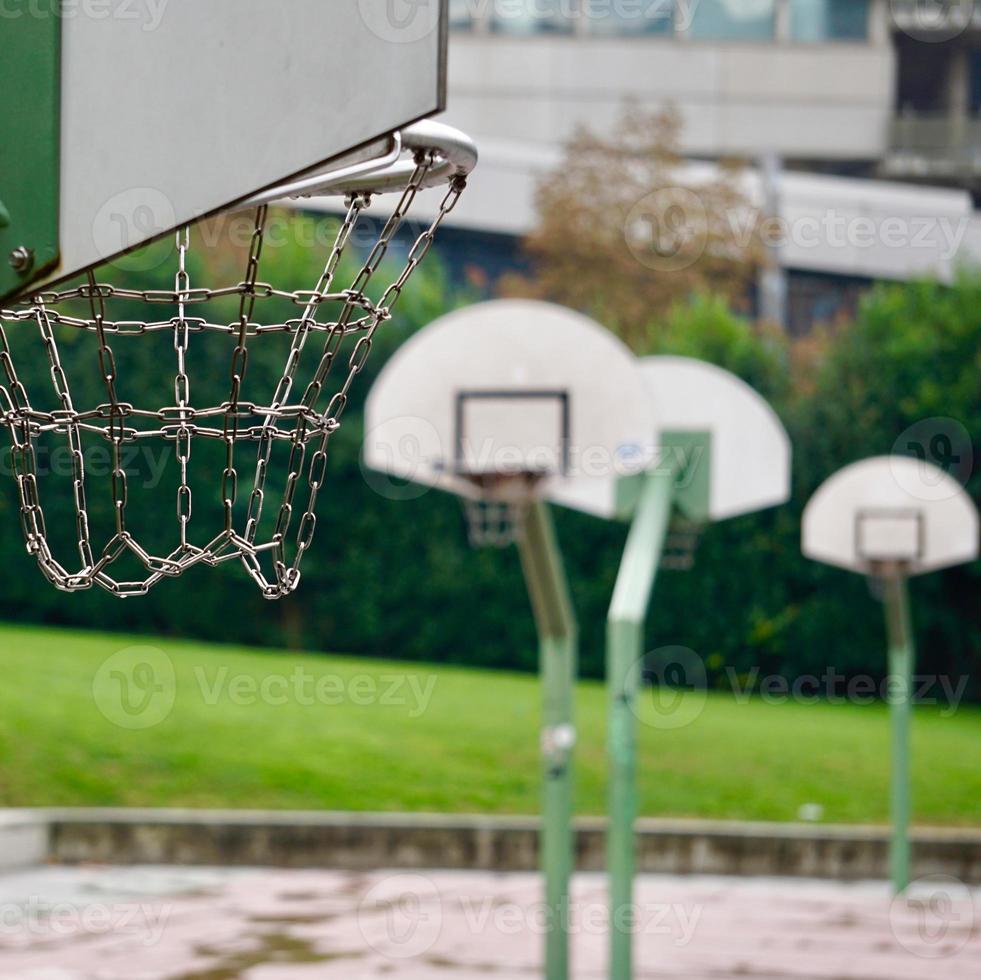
(203, 924)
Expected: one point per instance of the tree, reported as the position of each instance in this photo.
(625, 231)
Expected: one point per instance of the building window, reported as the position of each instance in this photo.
(461, 15)
(733, 20)
(975, 73)
(829, 20)
(611, 19)
(530, 17)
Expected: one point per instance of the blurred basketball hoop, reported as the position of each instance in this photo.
(524, 403)
(722, 452)
(889, 518)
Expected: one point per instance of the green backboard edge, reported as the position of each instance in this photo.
(693, 451)
(691, 454)
(30, 126)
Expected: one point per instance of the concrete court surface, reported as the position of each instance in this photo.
(165, 923)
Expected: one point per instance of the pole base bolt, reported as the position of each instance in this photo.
(21, 259)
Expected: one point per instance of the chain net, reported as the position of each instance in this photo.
(215, 428)
(681, 544)
(496, 517)
(494, 523)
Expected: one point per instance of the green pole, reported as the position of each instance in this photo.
(558, 645)
(901, 658)
(625, 647)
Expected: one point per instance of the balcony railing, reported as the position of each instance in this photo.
(935, 146)
(800, 21)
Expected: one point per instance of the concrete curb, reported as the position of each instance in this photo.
(362, 841)
(24, 839)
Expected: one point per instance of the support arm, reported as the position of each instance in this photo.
(901, 658)
(625, 639)
(557, 638)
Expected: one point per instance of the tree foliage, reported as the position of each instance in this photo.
(625, 231)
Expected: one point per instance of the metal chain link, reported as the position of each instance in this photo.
(302, 426)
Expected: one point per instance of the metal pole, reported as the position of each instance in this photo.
(901, 658)
(625, 647)
(558, 646)
(772, 280)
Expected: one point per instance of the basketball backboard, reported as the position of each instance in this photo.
(127, 127)
(738, 452)
(891, 510)
(512, 387)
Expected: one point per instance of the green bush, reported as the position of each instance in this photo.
(395, 578)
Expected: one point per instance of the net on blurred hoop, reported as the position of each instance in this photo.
(496, 515)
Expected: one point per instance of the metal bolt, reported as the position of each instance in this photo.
(21, 259)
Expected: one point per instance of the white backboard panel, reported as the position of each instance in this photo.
(889, 491)
(170, 117)
(587, 389)
(750, 450)
(539, 424)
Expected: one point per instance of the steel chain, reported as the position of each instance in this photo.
(304, 427)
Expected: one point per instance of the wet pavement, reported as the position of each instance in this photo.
(155, 923)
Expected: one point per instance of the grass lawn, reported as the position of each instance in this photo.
(254, 728)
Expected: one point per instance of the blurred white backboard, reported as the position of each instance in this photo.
(538, 420)
(889, 535)
(892, 509)
(512, 386)
(749, 450)
(167, 118)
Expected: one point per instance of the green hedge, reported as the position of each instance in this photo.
(395, 578)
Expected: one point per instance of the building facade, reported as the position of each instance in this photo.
(871, 87)
(864, 111)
